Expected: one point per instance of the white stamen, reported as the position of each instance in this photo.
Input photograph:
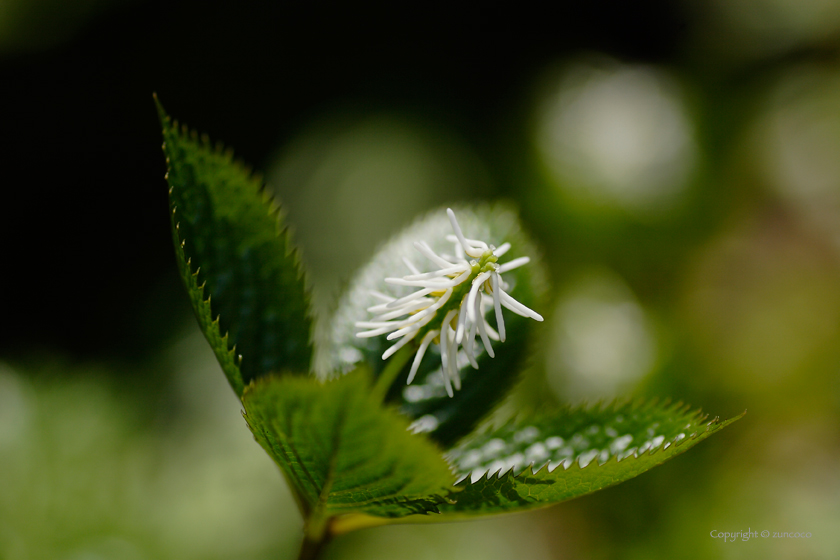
(424, 317)
(457, 229)
(390, 351)
(460, 255)
(449, 282)
(474, 290)
(371, 334)
(518, 308)
(444, 350)
(397, 324)
(483, 332)
(427, 252)
(416, 325)
(422, 304)
(515, 263)
(406, 330)
(453, 363)
(491, 332)
(430, 336)
(468, 249)
(457, 269)
(410, 266)
(500, 321)
(501, 249)
(473, 242)
(462, 322)
(406, 317)
(381, 296)
(374, 324)
(410, 297)
(469, 344)
(388, 308)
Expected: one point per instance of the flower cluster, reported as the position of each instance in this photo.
(460, 290)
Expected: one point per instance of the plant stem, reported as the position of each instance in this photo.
(316, 533)
(315, 536)
(311, 547)
(391, 371)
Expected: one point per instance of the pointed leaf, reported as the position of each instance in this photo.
(231, 247)
(341, 451)
(539, 461)
(445, 419)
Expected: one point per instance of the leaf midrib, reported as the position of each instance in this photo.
(293, 451)
(319, 515)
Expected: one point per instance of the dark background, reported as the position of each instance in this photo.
(738, 284)
(89, 269)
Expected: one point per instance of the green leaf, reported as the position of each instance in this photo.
(539, 461)
(445, 419)
(231, 247)
(342, 451)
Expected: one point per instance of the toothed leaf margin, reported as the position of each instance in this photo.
(536, 462)
(232, 247)
(341, 451)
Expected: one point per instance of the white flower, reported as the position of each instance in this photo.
(459, 290)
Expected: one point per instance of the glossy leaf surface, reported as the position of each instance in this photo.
(539, 461)
(244, 280)
(342, 451)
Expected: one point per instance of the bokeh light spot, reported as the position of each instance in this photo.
(796, 142)
(616, 136)
(762, 305)
(602, 340)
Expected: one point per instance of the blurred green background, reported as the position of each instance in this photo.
(678, 163)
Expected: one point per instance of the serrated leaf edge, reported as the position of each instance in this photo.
(711, 426)
(600, 406)
(273, 209)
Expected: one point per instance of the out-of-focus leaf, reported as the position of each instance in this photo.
(445, 419)
(342, 451)
(538, 461)
(231, 247)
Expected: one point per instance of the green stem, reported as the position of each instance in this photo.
(391, 371)
(312, 545)
(316, 533)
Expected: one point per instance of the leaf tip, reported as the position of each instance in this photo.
(162, 115)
